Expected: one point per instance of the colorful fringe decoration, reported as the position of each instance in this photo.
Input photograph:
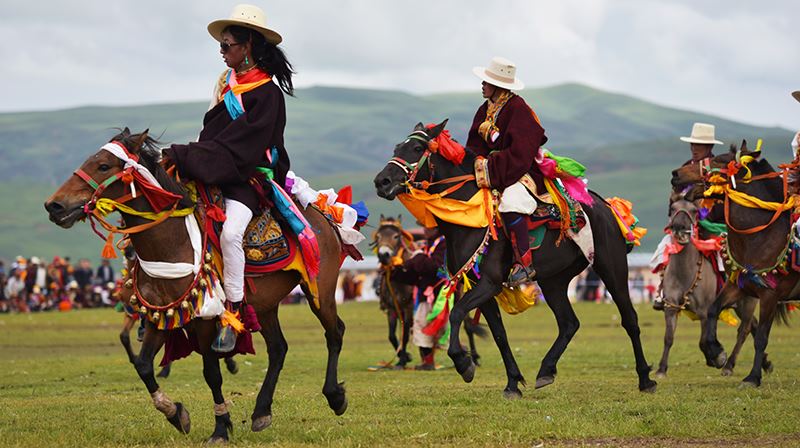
(305, 235)
(569, 172)
(626, 220)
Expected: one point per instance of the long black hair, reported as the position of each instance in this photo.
(267, 56)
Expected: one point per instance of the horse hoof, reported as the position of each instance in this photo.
(469, 374)
(342, 408)
(721, 360)
(727, 371)
(512, 394)
(232, 366)
(649, 388)
(261, 423)
(767, 366)
(544, 381)
(216, 440)
(181, 420)
(749, 384)
(661, 374)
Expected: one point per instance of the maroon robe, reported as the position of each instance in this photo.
(228, 151)
(513, 153)
(422, 269)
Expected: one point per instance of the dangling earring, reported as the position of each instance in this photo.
(246, 61)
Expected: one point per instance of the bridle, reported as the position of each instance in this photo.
(692, 219)
(412, 169)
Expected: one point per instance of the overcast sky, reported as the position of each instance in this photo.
(738, 59)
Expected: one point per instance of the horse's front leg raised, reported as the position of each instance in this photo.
(484, 291)
(176, 414)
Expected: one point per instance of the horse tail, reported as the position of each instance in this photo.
(476, 329)
(782, 314)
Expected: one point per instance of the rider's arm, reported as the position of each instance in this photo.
(521, 139)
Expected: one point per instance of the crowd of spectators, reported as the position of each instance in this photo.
(34, 285)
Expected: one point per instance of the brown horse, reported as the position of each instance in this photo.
(397, 299)
(758, 243)
(690, 283)
(168, 241)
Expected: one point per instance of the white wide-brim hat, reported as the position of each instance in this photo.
(501, 73)
(796, 95)
(248, 16)
(702, 133)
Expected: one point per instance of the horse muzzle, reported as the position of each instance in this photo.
(64, 215)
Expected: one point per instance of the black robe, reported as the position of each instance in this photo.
(228, 151)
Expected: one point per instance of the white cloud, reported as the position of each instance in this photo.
(738, 60)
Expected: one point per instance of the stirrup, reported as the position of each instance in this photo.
(520, 274)
(225, 340)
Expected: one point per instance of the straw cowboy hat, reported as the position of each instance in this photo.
(702, 133)
(501, 73)
(248, 16)
(796, 95)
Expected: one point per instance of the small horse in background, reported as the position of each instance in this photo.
(690, 283)
(169, 241)
(757, 244)
(397, 298)
(390, 242)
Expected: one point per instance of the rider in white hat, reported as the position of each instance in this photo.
(701, 142)
(507, 136)
(245, 122)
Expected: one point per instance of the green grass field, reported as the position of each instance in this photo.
(66, 382)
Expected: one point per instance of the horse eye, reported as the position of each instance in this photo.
(103, 167)
(397, 237)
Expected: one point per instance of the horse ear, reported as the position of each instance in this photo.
(419, 127)
(399, 218)
(744, 146)
(733, 148)
(436, 130)
(126, 132)
(138, 140)
(383, 218)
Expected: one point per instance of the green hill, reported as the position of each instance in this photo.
(339, 136)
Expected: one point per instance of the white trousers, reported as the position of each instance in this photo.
(237, 216)
(517, 199)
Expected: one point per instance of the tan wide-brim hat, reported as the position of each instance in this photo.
(796, 95)
(702, 133)
(248, 16)
(501, 73)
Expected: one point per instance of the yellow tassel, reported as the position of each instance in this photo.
(108, 249)
(228, 318)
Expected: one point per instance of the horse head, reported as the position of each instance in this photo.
(389, 239)
(96, 178)
(408, 161)
(683, 218)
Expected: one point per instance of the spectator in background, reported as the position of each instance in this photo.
(105, 273)
(15, 290)
(83, 274)
(3, 297)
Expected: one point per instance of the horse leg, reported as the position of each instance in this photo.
(391, 317)
(483, 291)
(205, 332)
(125, 337)
(176, 414)
(231, 365)
(769, 302)
(494, 319)
(473, 350)
(671, 320)
(745, 310)
(403, 356)
(712, 349)
(276, 349)
(334, 334)
(165, 371)
(615, 278)
(568, 324)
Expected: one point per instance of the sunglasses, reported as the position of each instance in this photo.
(224, 46)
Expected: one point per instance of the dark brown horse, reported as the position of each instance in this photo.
(169, 242)
(397, 299)
(757, 246)
(556, 265)
(690, 283)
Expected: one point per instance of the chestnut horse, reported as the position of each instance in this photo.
(690, 283)
(556, 265)
(168, 241)
(757, 245)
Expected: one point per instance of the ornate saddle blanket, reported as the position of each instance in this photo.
(266, 247)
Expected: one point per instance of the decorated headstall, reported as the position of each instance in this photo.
(443, 144)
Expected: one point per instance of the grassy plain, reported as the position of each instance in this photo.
(66, 382)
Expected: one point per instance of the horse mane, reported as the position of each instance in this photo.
(150, 157)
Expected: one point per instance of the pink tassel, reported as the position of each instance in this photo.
(577, 189)
(309, 249)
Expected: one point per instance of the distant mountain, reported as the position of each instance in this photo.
(340, 135)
